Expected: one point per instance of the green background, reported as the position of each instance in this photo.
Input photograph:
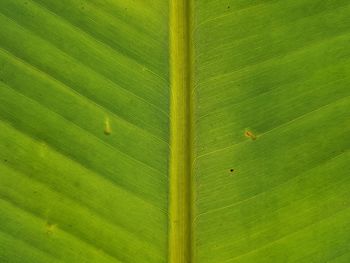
(84, 131)
(279, 70)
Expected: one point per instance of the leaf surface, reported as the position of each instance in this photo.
(272, 126)
(84, 131)
(146, 131)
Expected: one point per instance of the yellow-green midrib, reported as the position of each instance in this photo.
(180, 192)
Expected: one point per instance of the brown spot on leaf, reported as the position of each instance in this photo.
(250, 135)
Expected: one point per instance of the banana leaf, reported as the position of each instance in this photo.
(153, 131)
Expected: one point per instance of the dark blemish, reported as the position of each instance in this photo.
(5, 160)
(250, 135)
(232, 170)
(228, 7)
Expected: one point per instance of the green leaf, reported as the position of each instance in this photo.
(272, 131)
(174, 131)
(84, 131)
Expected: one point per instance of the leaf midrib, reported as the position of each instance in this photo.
(180, 248)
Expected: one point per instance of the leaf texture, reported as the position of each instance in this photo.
(241, 106)
(84, 131)
(272, 126)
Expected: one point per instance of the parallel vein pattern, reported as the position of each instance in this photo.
(259, 141)
(272, 125)
(83, 131)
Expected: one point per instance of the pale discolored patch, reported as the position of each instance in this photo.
(108, 128)
(50, 228)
